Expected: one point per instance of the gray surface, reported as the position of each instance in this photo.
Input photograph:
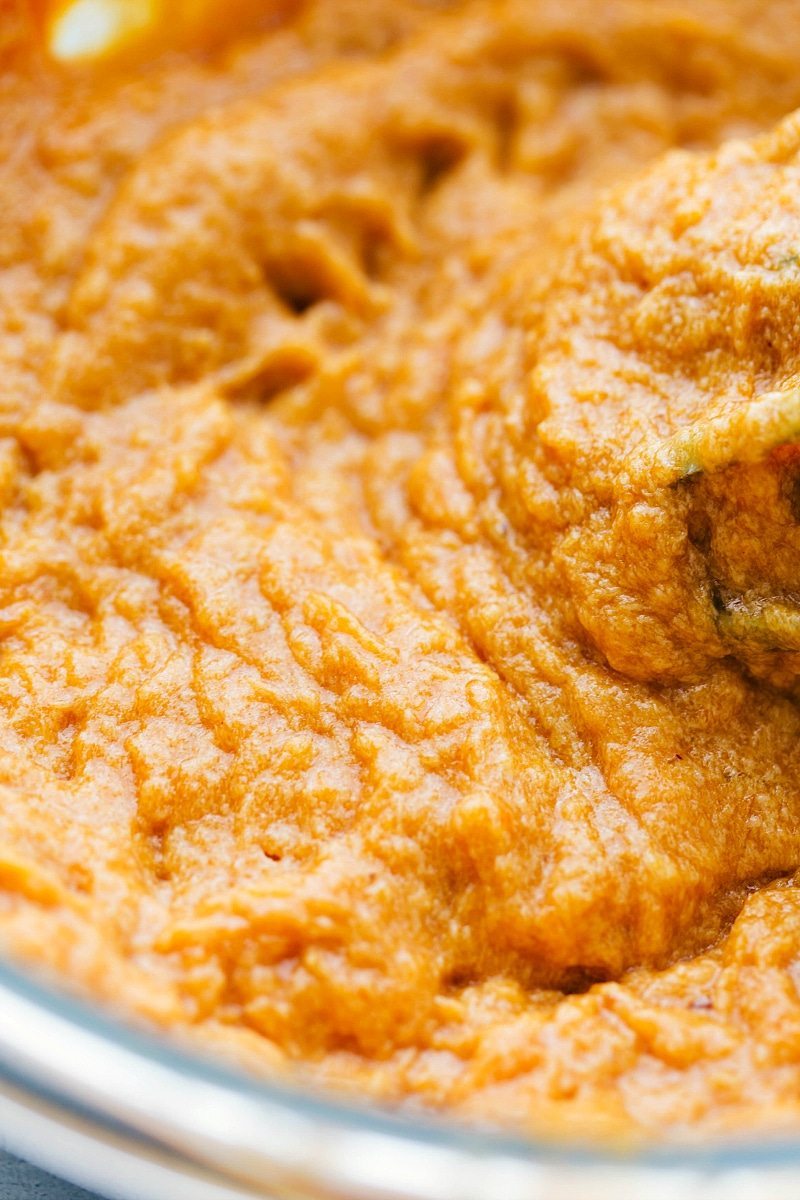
(18, 1181)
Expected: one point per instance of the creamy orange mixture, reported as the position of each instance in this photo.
(400, 549)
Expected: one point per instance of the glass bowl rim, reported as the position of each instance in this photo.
(342, 1115)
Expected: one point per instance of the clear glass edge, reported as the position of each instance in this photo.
(348, 1115)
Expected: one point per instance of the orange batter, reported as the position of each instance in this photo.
(400, 549)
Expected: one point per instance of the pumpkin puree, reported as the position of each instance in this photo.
(400, 549)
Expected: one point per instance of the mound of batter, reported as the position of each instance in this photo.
(400, 550)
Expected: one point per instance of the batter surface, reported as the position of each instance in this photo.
(400, 550)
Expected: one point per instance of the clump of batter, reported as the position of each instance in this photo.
(400, 551)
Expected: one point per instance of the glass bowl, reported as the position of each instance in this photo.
(113, 1109)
